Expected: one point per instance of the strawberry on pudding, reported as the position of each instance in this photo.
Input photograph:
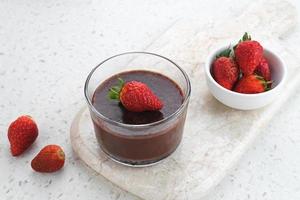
(135, 96)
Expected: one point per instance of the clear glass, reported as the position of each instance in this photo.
(144, 144)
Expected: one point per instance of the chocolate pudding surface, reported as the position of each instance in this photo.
(142, 145)
(163, 87)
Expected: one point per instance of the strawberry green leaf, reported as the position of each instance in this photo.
(225, 53)
(121, 82)
(114, 92)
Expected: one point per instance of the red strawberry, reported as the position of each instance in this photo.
(21, 134)
(225, 72)
(248, 54)
(135, 96)
(263, 69)
(251, 84)
(50, 159)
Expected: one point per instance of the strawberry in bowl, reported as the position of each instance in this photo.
(245, 76)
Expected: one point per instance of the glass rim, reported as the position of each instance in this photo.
(168, 118)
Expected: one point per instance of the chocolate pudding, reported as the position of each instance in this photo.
(132, 137)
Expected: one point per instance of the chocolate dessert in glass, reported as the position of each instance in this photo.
(138, 103)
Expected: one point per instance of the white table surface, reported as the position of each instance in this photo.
(47, 49)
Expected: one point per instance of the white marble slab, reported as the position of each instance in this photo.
(215, 136)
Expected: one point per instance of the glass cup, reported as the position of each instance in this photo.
(143, 144)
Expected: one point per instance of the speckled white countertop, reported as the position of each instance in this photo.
(47, 49)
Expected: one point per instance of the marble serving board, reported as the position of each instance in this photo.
(215, 136)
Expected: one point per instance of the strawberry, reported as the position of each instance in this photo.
(21, 134)
(225, 72)
(248, 54)
(50, 159)
(251, 84)
(135, 96)
(263, 69)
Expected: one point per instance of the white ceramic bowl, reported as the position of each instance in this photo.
(248, 101)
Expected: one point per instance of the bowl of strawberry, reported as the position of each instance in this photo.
(245, 76)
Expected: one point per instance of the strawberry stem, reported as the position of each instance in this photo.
(266, 84)
(114, 92)
(269, 82)
(61, 154)
(245, 37)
